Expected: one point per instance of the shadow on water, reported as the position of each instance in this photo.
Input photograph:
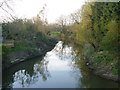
(59, 68)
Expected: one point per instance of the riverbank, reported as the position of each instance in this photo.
(102, 63)
(104, 72)
(105, 65)
(18, 55)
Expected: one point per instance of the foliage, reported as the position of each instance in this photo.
(23, 32)
(27, 37)
(115, 68)
(103, 57)
(98, 26)
(110, 41)
(106, 58)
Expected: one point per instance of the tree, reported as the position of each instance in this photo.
(62, 23)
(111, 39)
(7, 12)
(76, 17)
(40, 20)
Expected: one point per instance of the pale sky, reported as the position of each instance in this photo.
(54, 9)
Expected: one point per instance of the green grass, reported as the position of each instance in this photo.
(55, 32)
(6, 50)
(21, 48)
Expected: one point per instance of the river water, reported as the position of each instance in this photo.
(57, 69)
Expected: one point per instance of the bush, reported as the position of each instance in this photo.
(103, 57)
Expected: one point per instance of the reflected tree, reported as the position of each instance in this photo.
(64, 51)
(24, 78)
(41, 68)
(25, 74)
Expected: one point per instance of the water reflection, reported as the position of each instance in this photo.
(23, 79)
(63, 51)
(60, 68)
(42, 70)
(25, 74)
(60, 57)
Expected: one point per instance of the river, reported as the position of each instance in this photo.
(57, 69)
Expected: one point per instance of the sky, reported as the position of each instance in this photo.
(54, 8)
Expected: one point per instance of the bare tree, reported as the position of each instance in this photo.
(62, 21)
(6, 10)
(76, 17)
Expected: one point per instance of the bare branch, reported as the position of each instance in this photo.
(5, 6)
(8, 6)
(1, 4)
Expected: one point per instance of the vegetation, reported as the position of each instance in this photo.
(98, 30)
(29, 36)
